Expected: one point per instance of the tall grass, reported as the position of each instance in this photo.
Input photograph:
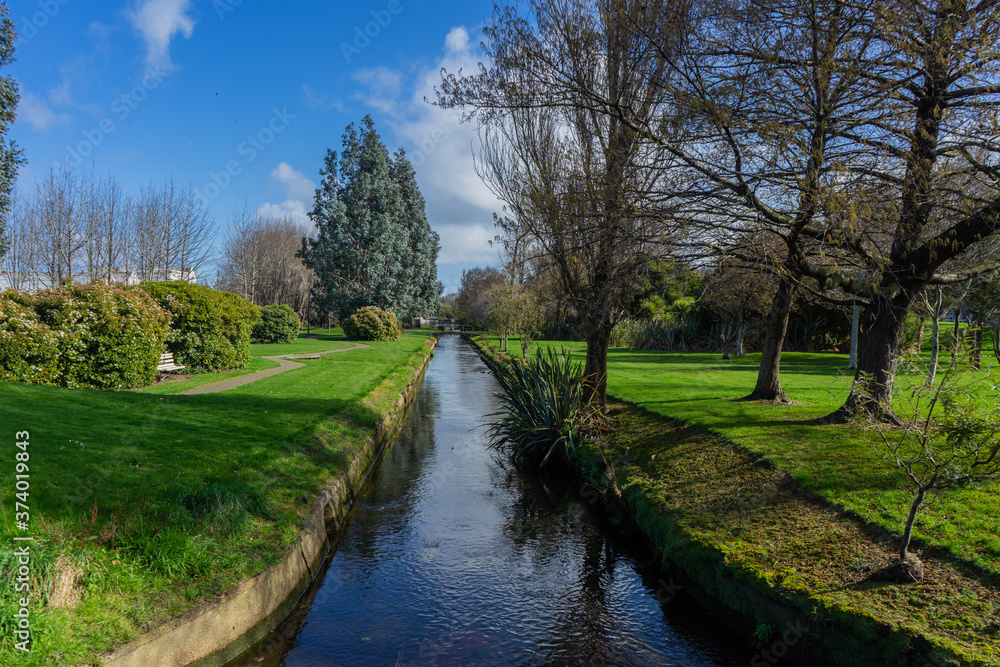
(544, 409)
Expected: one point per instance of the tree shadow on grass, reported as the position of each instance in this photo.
(89, 446)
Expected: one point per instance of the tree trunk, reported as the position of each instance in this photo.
(935, 335)
(935, 350)
(956, 335)
(879, 347)
(976, 351)
(739, 340)
(768, 377)
(598, 339)
(904, 544)
(852, 363)
(727, 339)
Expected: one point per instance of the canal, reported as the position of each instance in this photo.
(450, 557)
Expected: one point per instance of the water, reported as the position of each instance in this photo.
(451, 558)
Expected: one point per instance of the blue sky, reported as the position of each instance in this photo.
(241, 99)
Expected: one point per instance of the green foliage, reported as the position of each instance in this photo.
(209, 330)
(278, 324)
(81, 336)
(109, 337)
(29, 350)
(11, 157)
(660, 333)
(543, 409)
(374, 245)
(510, 309)
(371, 323)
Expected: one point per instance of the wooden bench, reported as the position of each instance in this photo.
(167, 364)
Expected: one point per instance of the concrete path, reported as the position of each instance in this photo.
(284, 366)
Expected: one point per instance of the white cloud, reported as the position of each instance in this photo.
(294, 210)
(158, 21)
(459, 206)
(299, 191)
(38, 114)
(383, 87)
(296, 184)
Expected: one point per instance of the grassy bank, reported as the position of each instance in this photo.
(142, 505)
(693, 474)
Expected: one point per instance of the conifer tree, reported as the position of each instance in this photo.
(374, 246)
(10, 154)
(420, 273)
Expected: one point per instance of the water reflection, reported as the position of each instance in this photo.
(452, 558)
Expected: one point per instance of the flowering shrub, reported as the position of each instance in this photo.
(109, 337)
(371, 323)
(278, 324)
(209, 329)
(29, 350)
(81, 336)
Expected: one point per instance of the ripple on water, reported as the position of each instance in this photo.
(452, 559)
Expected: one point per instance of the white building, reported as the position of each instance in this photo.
(34, 282)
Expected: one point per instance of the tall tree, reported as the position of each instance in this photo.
(420, 270)
(373, 245)
(768, 96)
(938, 143)
(10, 155)
(574, 182)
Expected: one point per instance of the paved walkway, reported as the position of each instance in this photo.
(285, 365)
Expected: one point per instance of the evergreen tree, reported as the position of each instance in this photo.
(423, 288)
(374, 246)
(10, 154)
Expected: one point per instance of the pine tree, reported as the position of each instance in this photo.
(374, 246)
(10, 154)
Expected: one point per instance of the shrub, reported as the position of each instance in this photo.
(278, 324)
(371, 323)
(209, 330)
(29, 350)
(109, 337)
(543, 409)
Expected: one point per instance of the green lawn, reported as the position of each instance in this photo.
(836, 462)
(162, 501)
(677, 464)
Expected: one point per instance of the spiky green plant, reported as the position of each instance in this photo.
(543, 411)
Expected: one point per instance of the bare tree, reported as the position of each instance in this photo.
(59, 226)
(949, 436)
(575, 183)
(18, 264)
(260, 262)
(172, 233)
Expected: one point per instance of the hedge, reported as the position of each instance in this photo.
(96, 336)
(278, 324)
(209, 330)
(371, 323)
(29, 350)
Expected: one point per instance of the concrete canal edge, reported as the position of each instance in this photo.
(218, 630)
(809, 632)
